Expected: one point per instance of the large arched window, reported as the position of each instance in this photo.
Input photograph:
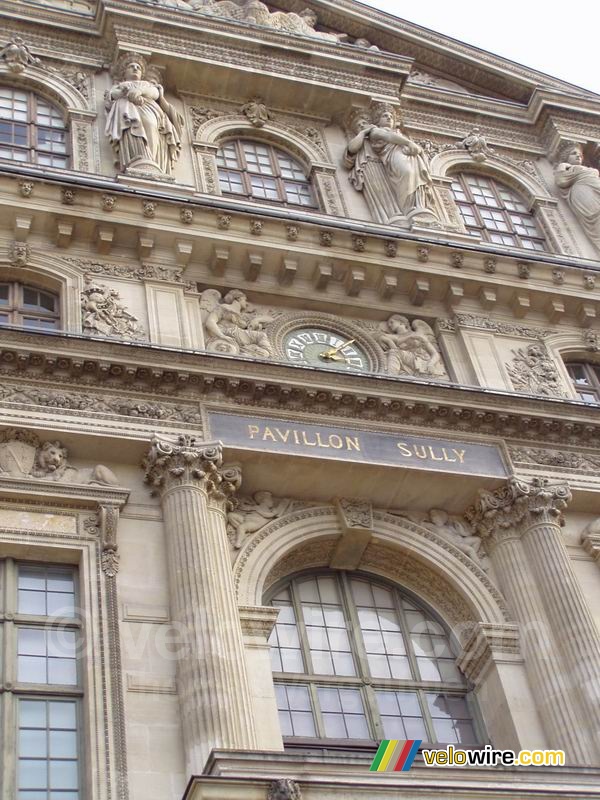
(28, 306)
(586, 381)
(357, 659)
(494, 213)
(31, 129)
(258, 171)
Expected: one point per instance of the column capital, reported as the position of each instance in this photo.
(189, 462)
(514, 507)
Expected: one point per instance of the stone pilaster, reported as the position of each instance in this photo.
(196, 490)
(520, 524)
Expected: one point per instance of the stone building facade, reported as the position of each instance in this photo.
(299, 443)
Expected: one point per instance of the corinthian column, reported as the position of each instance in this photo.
(196, 490)
(520, 524)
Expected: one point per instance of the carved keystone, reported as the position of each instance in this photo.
(356, 524)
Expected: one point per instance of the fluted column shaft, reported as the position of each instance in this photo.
(195, 489)
(520, 524)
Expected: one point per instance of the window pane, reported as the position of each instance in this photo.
(343, 713)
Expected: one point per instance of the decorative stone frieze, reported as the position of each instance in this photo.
(550, 457)
(533, 371)
(105, 315)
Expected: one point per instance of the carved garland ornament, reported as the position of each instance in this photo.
(532, 370)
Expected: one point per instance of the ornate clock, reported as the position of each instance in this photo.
(318, 347)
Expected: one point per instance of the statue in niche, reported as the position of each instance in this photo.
(452, 528)
(411, 348)
(232, 325)
(143, 128)
(252, 514)
(22, 455)
(580, 187)
(104, 313)
(390, 168)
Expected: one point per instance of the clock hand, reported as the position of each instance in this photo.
(333, 350)
(329, 355)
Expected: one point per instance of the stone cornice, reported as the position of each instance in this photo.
(78, 496)
(487, 644)
(188, 462)
(168, 374)
(511, 509)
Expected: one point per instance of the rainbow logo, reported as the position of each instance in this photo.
(395, 755)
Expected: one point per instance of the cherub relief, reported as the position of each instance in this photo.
(410, 348)
(254, 513)
(452, 528)
(232, 325)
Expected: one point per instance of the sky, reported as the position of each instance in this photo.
(537, 34)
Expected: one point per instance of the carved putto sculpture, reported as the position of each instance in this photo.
(252, 514)
(411, 348)
(232, 325)
(452, 528)
(143, 128)
(17, 55)
(579, 185)
(389, 168)
(104, 314)
(22, 455)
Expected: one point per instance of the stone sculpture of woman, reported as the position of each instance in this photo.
(580, 187)
(402, 185)
(144, 130)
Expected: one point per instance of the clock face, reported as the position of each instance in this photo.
(317, 347)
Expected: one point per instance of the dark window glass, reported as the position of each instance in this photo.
(494, 213)
(31, 129)
(261, 172)
(586, 381)
(29, 307)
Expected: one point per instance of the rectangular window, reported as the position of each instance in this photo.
(40, 625)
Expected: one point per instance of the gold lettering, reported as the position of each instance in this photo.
(433, 455)
(422, 454)
(336, 441)
(319, 442)
(296, 437)
(253, 430)
(352, 443)
(402, 446)
(310, 444)
(268, 434)
(460, 454)
(283, 437)
(451, 460)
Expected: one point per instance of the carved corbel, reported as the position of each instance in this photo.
(590, 539)
(284, 789)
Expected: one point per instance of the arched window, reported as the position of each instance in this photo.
(28, 307)
(494, 213)
(586, 381)
(31, 129)
(258, 171)
(357, 659)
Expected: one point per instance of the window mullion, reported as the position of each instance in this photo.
(302, 634)
(316, 706)
(360, 653)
